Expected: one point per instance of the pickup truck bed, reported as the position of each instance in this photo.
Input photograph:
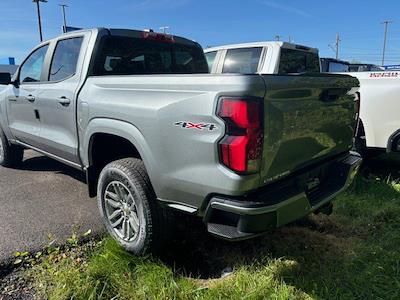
(153, 131)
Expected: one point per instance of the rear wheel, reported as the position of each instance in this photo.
(129, 208)
(10, 155)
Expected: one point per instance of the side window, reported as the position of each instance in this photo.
(65, 58)
(31, 70)
(243, 60)
(210, 57)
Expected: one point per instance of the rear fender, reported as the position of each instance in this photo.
(121, 129)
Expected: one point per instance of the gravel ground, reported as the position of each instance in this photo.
(14, 286)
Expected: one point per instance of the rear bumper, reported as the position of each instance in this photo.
(281, 203)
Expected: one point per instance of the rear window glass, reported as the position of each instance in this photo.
(129, 56)
(242, 60)
(296, 61)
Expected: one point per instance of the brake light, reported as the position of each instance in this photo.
(241, 148)
(158, 36)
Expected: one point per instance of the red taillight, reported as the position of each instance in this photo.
(241, 148)
(158, 36)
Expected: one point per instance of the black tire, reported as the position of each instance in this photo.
(129, 176)
(10, 155)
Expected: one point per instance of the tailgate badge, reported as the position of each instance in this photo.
(198, 126)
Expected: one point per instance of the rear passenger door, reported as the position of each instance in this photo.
(57, 98)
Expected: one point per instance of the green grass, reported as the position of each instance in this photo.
(353, 254)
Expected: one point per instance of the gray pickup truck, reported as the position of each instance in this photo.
(154, 132)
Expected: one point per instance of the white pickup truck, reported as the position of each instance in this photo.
(379, 127)
(262, 58)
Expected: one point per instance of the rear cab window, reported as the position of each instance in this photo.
(298, 61)
(121, 55)
(242, 60)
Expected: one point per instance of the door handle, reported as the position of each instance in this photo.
(64, 101)
(30, 98)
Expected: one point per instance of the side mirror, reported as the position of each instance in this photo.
(5, 78)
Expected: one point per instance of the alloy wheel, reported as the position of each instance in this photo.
(121, 211)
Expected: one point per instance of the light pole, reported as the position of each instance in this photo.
(39, 20)
(63, 6)
(386, 23)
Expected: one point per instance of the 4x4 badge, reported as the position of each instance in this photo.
(198, 126)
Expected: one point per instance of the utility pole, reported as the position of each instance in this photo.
(39, 19)
(386, 23)
(63, 6)
(164, 29)
(337, 45)
(290, 39)
(336, 48)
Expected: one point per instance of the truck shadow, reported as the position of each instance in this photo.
(197, 254)
(316, 253)
(38, 163)
(384, 165)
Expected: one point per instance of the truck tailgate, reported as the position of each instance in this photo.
(307, 118)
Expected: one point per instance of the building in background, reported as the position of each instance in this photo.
(8, 65)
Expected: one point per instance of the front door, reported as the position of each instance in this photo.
(23, 116)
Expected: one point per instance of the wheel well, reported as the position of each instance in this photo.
(393, 142)
(103, 149)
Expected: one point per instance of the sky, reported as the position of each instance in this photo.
(218, 22)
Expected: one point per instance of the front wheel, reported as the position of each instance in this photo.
(129, 208)
(10, 155)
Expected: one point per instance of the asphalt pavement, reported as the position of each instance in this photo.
(42, 197)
